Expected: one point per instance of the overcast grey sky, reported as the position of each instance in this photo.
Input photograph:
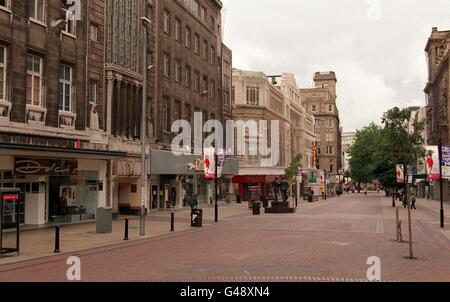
(376, 47)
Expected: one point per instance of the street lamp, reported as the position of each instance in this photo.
(441, 183)
(145, 22)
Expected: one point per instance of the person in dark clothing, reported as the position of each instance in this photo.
(413, 202)
(276, 188)
(284, 189)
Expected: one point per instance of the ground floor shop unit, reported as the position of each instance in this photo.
(59, 185)
(169, 180)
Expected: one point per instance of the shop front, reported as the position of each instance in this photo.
(59, 185)
(183, 176)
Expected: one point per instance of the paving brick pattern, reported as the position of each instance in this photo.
(324, 241)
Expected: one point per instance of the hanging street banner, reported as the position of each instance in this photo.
(209, 163)
(432, 162)
(400, 173)
(221, 157)
(446, 162)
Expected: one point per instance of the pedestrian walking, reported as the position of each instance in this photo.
(413, 201)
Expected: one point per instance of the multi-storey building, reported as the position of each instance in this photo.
(348, 139)
(437, 91)
(255, 98)
(189, 72)
(302, 123)
(53, 121)
(321, 102)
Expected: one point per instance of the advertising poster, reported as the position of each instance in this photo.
(432, 162)
(400, 174)
(209, 163)
(446, 162)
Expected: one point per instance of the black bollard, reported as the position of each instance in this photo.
(126, 230)
(57, 233)
(172, 222)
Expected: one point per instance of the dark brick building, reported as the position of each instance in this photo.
(51, 108)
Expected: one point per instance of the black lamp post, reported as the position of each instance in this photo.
(441, 186)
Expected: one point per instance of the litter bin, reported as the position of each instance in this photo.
(196, 218)
(256, 208)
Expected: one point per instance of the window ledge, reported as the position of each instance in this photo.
(66, 120)
(36, 21)
(5, 110)
(68, 34)
(36, 115)
(6, 9)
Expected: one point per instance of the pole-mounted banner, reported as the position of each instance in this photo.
(400, 173)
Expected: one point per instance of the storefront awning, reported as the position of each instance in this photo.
(56, 152)
(166, 163)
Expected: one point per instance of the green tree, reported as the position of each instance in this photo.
(363, 154)
(292, 171)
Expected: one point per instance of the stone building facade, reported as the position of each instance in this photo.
(52, 116)
(321, 102)
(437, 91)
(255, 98)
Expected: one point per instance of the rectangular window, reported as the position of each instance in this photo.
(213, 55)
(36, 10)
(197, 44)
(205, 50)
(233, 95)
(166, 65)
(3, 64)
(166, 114)
(65, 88)
(70, 23)
(94, 32)
(188, 37)
(196, 7)
(226, 97)
(197, 81)
(177, 111)
(178, 71)
(203, 13)
(5, 3)
(330, 108)
(92, 94)
(166, 22)
(34, 80)
(313, 108)
(187, 112)
(252, 95)
(178, 30)
(188, 76)
(213, 89)
(205, 83)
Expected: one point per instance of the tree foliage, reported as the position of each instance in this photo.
(378, 150)
(292, 171)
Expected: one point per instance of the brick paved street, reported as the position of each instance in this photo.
(327, 240)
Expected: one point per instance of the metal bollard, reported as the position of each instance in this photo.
(172, 222)
(126, 230)
(57, 234)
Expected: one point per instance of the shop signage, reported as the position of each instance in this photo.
(24, 166)
(10, 197)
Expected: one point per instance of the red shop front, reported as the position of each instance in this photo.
(252, 186)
